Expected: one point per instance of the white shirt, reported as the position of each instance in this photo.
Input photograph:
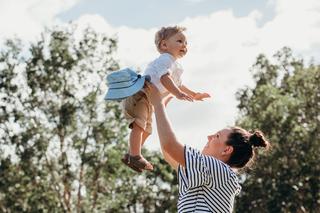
(162, 65)
(206, 184)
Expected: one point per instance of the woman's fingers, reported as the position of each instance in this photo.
(155, 95)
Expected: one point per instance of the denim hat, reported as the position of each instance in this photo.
(124, 83)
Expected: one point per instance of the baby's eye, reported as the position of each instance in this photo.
(180, 41)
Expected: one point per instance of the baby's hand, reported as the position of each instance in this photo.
(184, 96)
(200, 96)
(167, 100)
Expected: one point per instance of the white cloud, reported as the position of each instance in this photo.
(97, 22)
(295, 7)
(26, 19)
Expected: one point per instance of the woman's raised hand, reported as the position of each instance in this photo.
(155, 96)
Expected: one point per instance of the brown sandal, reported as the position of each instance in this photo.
(126, 161)
(139, 162)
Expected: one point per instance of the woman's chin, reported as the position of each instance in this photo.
(204, 150)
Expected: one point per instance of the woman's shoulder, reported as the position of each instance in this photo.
(209, 161)
(215, 165)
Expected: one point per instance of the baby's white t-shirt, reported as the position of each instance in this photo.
(164, 64)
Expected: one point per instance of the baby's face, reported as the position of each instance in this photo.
(176, 45)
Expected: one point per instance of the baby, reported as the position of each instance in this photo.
(165, 73)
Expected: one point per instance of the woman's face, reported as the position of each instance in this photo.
(216, 145)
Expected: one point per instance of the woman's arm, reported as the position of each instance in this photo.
(168, 141)
(174, 164)
(167, 138)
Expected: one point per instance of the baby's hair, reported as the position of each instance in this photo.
(244, 144)
(165, 33)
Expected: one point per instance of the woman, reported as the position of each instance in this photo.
(207, 180)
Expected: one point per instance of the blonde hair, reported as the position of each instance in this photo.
(165, 33)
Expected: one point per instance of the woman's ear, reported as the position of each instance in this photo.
(228, 150)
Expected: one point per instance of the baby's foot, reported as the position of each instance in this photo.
(126, 161)
(140, 162)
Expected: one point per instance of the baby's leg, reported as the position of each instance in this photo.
(135, 140)
(135, 158)
(145, 135)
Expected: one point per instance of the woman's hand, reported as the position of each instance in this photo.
(155, 96)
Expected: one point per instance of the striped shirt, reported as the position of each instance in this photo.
(206, 184)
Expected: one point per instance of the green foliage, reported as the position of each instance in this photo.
(60, 142)
(285, 105)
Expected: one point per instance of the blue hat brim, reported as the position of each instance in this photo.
(122, 93)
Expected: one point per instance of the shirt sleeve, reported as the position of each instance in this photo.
(202, 170)
(195, 173)
(162, 65)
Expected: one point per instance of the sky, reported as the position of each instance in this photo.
(224, 39)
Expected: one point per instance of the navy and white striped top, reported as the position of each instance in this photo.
(206, 184)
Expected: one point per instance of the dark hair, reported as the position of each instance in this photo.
(244, 144)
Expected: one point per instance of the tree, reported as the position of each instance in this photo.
(285, 105)
(60, 142)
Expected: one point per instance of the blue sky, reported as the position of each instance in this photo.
(156, 13)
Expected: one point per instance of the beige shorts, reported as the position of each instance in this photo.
(138, 109)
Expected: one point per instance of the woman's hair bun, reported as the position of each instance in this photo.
(257, 140)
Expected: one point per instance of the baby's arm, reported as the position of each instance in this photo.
(167, 100)
(168, 83)
(187, 90)
(195, 95)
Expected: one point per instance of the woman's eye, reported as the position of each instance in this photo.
(180, 41)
